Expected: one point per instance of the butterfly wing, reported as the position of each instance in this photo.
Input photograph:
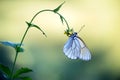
(75, 48)
(85, 53)
(71, 48)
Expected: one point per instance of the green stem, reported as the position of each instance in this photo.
(11, 76)
(50, 11)
(24, 36)
(64, 20)
(39, 13)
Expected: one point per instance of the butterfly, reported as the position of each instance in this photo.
(75, 48)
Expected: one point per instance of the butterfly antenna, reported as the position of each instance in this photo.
(81, 28)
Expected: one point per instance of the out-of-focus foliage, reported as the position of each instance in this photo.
(45, 56)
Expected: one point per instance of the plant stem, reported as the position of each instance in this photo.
(24, 36)
(50, 11)
(12, 71)
(11, 76)
(64, 20)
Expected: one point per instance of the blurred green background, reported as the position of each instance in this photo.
(45, 55)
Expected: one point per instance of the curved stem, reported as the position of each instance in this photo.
(64, 20)
(50, 11)
(39, 13)
(11, 76)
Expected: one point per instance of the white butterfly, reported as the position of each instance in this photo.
(76, 48)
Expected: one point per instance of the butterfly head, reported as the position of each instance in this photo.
(73, 35)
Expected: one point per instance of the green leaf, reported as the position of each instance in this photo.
(25, 78)
(28, 24)
(9, 43)
(21, 71)
(61, 18)
(58, 8)
(19, 49)
(39, 29)
(13, 45)
(5, 69)
(33, 25)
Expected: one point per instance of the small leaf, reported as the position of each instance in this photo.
(61, 18)
(39, 29)
(33, 25)
(19, 49)
(14, 45)
(25, 78)
(5, 69)
(21, 71)
(28, 24)
(8, 43)
(57, 9)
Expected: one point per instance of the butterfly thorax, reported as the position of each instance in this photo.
(73, 35)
